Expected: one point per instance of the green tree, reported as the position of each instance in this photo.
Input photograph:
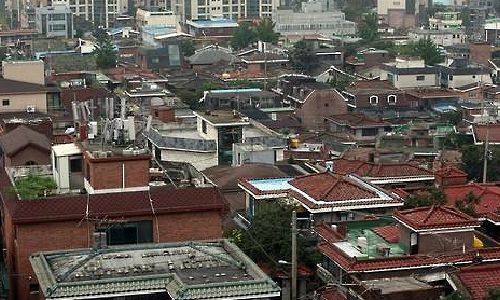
(302, 57)
(456, 295)
(467, 204)
(456, 141)
(341, 82)
(473, 161)
(33, 186)
(425, 49)
(82, 26)
(368, 29)
(354, 9)
(187, 47)
(104, 52)
(268, 238)
(431, 196)
(265, 31)
(452, 117)
(493, 294)
(243, 36)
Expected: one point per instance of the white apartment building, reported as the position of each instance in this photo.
(145, 17)
(225, 9)
(313, 19)
(100, 12)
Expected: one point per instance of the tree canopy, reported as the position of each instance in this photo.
(493, 294)
(246, 34)
(302, 57)
(473, 161)
(105, 53)
(243, 36)
(368, 29)
(187, 47)
(269, 238)
(425, 49)
(466, 205)
(429, 197)
(265, 31)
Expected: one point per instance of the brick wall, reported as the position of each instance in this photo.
(31, 238)
(163, 113)
(449, 243)
(320, 105)
(29, 153)
(447, 181)
(107, 173)
(41, 237)
(480, 53)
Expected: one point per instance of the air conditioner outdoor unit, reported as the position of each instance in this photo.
(30, 108)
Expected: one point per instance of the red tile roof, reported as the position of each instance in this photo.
(489, 195)
(389, 233)
(479, 280)
(330, 187)
(367, 169)
(435, 217)
(332, 294)
(330, 190)
(371, 84)
(357, 119)
(353, 265)
(450, 171)
(432, 93)
(112, 205)
(479, 133)
(328, 234)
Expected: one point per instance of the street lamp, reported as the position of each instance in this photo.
(293, 287)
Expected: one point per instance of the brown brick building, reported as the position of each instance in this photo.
(89, 220)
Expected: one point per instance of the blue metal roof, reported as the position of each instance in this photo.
(212, 23)
(158, 30)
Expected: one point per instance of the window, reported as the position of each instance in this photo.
(420, 77)
(174, 55)
(5, 102)
(373, 100)
(392, 99)
(369, 131)
(75, 164)
(204, 126)
(34, 288)
(155, 60)
(346, 216)
(121, 233)
(450, 77)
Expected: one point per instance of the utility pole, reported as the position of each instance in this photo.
(294, 255)
(486, 156)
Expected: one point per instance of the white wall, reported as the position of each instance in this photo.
(461, 80)
(410, 81)
(200, 160)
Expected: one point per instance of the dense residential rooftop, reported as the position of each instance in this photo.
(185, 270)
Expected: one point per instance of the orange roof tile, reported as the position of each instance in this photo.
(435, 217)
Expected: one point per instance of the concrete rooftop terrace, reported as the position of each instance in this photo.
(189, 270)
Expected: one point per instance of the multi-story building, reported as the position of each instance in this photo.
(480, 11)
(55, 21)
(311, 20)
(449, 19)
(100, 12)
(156, 17)
(226, 9)
(402, 13)
(444, 37)
(409, 73)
